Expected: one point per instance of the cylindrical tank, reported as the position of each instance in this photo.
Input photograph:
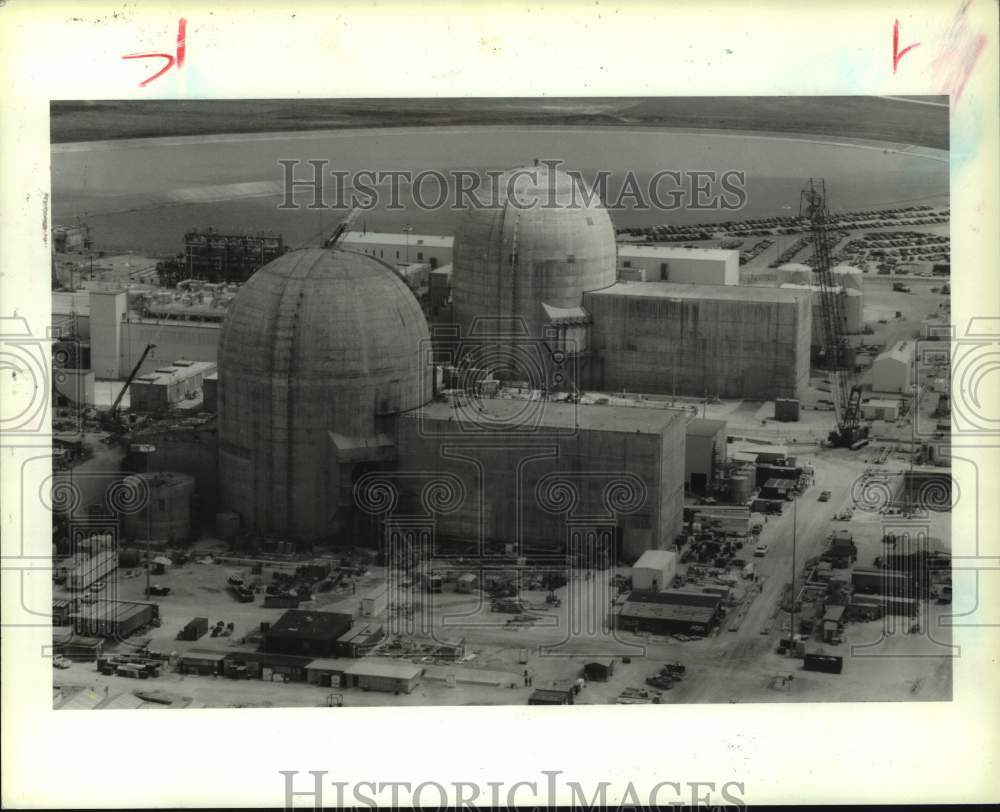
(795, 273)
(319, 350)
(852, 305)
(166, 512)
(542, 243)
(740, 488)
(227, 525)
(848, 277)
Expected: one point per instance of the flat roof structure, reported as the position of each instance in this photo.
(668, 251)
(396, 238)
(702, 427)
(668, 611)
(177, 371)
(655, 559)
(383, 668)
(494, 414)
(697, 292)
(303, 624)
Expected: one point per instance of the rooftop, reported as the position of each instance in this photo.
(668, 611)
(370, 667)
(676, 597)
(902, 351)
(701, 427)
(302, 624)
(497, 415)
(395, 238)
(655, 559)
(676, 290)
(673, 252)
(178, 371)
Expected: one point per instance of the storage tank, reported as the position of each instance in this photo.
(795, 273)
(166, 514)
(541, 244)
(740, 488)
(848, 277)
(852, 304)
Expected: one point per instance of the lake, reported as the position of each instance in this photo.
(142, 195)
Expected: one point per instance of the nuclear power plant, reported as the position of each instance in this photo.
(529, 437)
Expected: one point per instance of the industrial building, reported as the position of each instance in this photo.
(168, 385)
(704, 453)
(114, 619)
(716, 340)
(612, 444)
(880, 409)
(400, 249)
(654, 571)
(321, 349)
(374, 674)
(305, 633)
(665, 263)
(671, 612)
(891, 371)
(92, 569)
(228, 257)
(516, 268)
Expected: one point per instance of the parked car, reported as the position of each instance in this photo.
(158, 590)
(98, 587)
(60, 662)
(760, 550)
(660, 681)
(825, 496)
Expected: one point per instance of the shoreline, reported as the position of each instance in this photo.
(896, 147)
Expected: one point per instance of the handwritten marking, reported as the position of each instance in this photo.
(896, 53)
(175, 59)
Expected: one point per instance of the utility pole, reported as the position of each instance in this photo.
(795, 516)
(406, 230)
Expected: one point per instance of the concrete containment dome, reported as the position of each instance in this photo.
(319, 350)
(542, 244)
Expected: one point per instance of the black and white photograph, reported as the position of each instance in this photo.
(499, 405)
(501, 401)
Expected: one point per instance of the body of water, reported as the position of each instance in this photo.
(142, 195)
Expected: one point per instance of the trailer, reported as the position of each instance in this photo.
(91, 570)
(826, 663)
(194, 630)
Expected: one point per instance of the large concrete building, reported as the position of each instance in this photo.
(321, 349)
(400, 249)
(534, 472)
(716, 340)
(522, 266)
(665, 263)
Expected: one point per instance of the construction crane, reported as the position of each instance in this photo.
(342, 227)
(850, 432)
(111, 421)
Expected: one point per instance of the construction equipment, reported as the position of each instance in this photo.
(850, 431)
(110, 421)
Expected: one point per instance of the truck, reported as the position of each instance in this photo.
(194, 630)
(92, 570)
(899, 287)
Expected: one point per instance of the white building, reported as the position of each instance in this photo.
(655, 570)
(664, 263)
(891, 370)
(880, 409)
(402, 248)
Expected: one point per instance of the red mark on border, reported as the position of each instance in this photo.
(175, 59)
(896, 53)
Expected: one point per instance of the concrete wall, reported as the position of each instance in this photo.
(193, 341)
(681, 266)
(890, 374)
(727, 347)
(501, 475)
(397, 252)
(699, 453)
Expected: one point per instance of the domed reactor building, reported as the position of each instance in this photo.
(521, 267)
(320, 350)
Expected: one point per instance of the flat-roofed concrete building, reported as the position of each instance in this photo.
(704, 452)
(891, 369)
(400, 248)
(167, 385)
(724, 340)
(531, 470)
(667, 263)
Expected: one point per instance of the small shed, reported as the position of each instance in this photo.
(655, 570)
(599, 670)
(467, 583)
(393, 676)
(891, 370)
(551, 696)
(325, 672)
(204, 663)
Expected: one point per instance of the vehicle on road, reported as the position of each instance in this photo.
(158, 590)
(660, 681)
(899, 287)
(760, 550)
(98, 587)
(60, 662)
(825, 496)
